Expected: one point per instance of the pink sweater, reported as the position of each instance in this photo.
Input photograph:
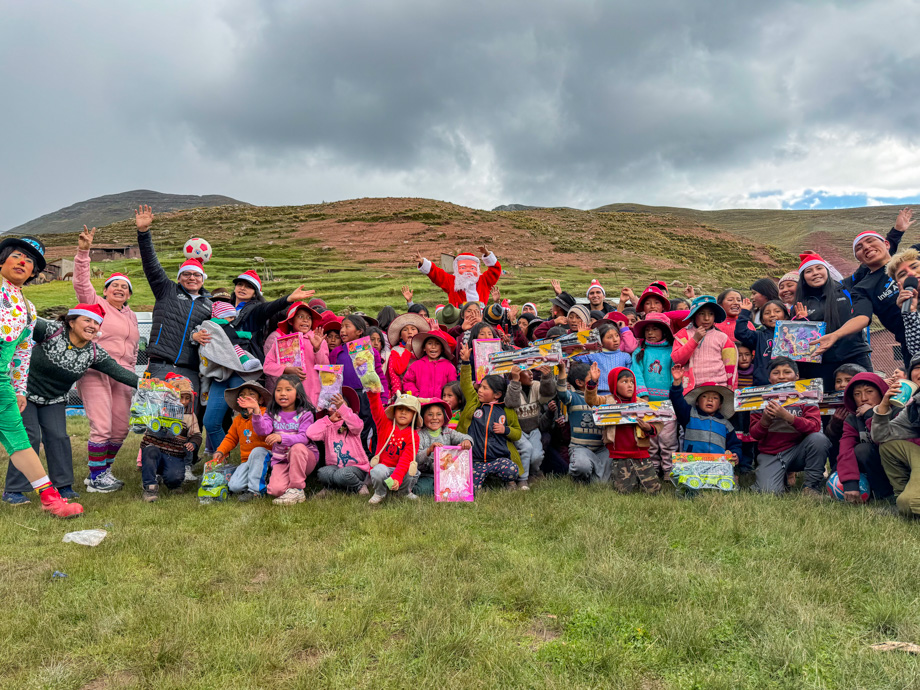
(119, 335)
(712, 360)
(342, 440)
(273, 368)
(426, 379)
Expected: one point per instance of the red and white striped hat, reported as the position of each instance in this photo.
(596, 284)
(812, 260)
(92, 311)
(221, 310)
(252, 278)
(863, 235)
(192, 266)
(119, 276)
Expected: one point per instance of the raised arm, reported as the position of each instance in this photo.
(156, 276)
(81, 273)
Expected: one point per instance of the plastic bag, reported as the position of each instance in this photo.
(362, 359)
(86, 537)
(330, 379)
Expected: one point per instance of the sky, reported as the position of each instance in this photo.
(553, 103)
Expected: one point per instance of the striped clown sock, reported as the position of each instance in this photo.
(112, 448)
(98, 458)
(241, 353)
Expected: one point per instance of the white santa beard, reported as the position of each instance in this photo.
(466, 283)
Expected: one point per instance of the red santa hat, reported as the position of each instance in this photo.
(466, 256)
(596, 284)
(119, 276)
(812, 260)
(252, 278)
(863, 235)
(192, 266)
(221, 310)
(92, 311)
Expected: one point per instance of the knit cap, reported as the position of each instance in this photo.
(582, 312)
(222, 310)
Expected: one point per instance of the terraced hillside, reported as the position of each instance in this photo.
(358, 253)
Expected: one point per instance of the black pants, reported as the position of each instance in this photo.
(870, 464)
(154, 461)
(45, 424)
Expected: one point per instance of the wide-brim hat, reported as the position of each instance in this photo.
(532, 326)
(705, 301)
(403, 320)
(617, 318)
(351, 398)
(408, 401)
(31, 246)
(221, 295)
(449, 316)
(564, 301)
(285, 326)
(230, 395)
(371, 321)
(727, 408)
(448, 413)
(333, 323)
(447, 343)
(653, 319)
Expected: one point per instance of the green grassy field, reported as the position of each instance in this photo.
(562, 587)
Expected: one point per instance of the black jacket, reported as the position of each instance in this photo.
(760, 342)
(175, 314)
(253, 316)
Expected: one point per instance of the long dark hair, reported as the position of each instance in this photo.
(358, 322)
(385, 317)
(458, 393)
(301, 402)
(766, 287)
(828, 293)
(475, 330)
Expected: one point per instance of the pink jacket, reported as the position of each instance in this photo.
(119, 335)
(342, 440)
(713, 360)
(426, 379)
(273, 368)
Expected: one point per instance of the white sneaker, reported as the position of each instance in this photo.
(411, 496)
(189, 475)
(290, 497)
(113, 477)
(105, 483)
(375, 500)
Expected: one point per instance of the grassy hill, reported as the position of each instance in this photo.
(358, 253)
(110, 208)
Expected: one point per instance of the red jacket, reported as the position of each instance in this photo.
(445, 281)
(625, 442)
(401, 445)
(847, 464)
(782, 435)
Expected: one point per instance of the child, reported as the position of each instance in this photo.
(627, 444)
(833, 428)
(610, 357)
(858, 454)
(346, 467)
(304, 320)
(760, 341)
(453, 396)
(223, 314)
(745, 365)
(651, 366)
(704, 413)
(493, 427)
(332, 328)
(247, 480)
(578, 318)
(284, 426)
(400, 334)
(789, 439)
(435, 432)
(432, 368)
(527, 399)
(589, 460)
(163, 453)
(379, 343)
(394, 466)
(706, 353)
(742, 420)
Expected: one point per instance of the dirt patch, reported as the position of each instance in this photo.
(544, 629)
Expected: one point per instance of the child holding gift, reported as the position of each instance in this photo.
(435, 432)
(704, 413)
(346, 467)
(247, 480)
(300, 319)
(165, 454)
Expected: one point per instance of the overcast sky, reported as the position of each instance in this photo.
(702, 104)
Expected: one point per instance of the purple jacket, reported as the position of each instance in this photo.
(291, 425)
(350, 378)
(426, 379)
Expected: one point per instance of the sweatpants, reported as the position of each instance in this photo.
(45, 424)
(901, 460)
(530, 448)
(292, 473)
(380, 473)
(107, 404)
(588, 464)
(250, 475)
(503, 468)
(870, 464)
(342, 478)
(154, 461)
(631, 473)
(663, 445)
(810, 455)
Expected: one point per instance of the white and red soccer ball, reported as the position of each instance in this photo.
(198, 248)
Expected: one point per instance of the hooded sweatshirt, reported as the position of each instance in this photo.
(856, 430)
(629, 441)
(653, 370)
(342, 439)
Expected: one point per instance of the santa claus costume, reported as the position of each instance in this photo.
(470, 285)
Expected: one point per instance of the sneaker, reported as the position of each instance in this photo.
(151, 493)
(376, 499)
(246, 497)
(68, 493)
(59, 507)
(322, 493)
(363, 491)
(189, 475)
(290, 497)
(105, 483)
(113, 477)
(523, 485)
(411, 496)
(15, 498)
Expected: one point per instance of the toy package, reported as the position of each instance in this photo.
(801, 392)
(362, 358)
(692, 472)
(453, 474)
(215, 482)
(330, 380)
(798, 340)
(157, 406)
(831, 403)
(527, 358)
(630, 413)
(574, 344)
(482, 349)
(289, 350)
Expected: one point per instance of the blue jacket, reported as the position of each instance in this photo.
(607, 361)
(703, 433)
(759, 342)
(653, 373)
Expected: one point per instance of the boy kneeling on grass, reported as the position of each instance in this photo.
(789, 439)
(249, 480)
(704, 413)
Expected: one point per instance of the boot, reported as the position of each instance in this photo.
(59, 507)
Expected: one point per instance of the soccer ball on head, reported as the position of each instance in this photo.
(198, 248)
(835, 487)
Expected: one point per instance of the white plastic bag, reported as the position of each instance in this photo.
(87, 537)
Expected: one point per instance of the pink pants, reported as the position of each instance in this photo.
(108, 405)
(292, 473)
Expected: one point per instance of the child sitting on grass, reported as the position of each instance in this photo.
(706, 353)
(394, 467)
(858, 454)
(492, 425)
(164, 453)
(434, 434)
(346, 467)
(627, 444)
(589, 460)
(610, 357)
(247, 480)
(284, 427)
(703, 413)
(527, 398)
(789, 439)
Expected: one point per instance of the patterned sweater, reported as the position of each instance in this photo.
(17, 314)
(712, 360)
(57, 364)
